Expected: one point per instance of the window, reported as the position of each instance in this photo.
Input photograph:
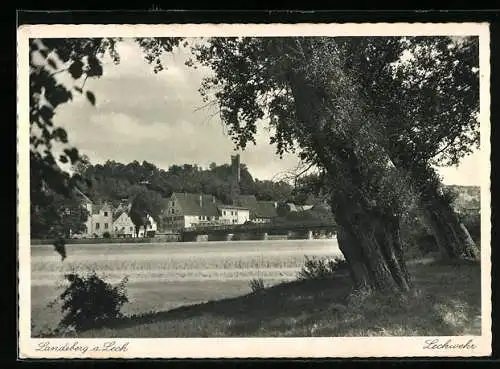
(173, 211)
(105, 225)
(105, 213)
(173, 203)
(131, 229)
(200, 217)
(224, 212)
(97, 226)
(235, 213)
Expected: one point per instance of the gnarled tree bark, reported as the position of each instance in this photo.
(451, 235)
(369, 237)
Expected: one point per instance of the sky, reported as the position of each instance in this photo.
(159, 118)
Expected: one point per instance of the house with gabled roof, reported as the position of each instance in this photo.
(123, 226)
(185, 210)
(233, 214)
(260, 211)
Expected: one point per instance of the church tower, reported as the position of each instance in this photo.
(235, 177)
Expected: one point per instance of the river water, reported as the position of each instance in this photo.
(179, 261)
(167, 275)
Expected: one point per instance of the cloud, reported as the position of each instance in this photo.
(140, 116)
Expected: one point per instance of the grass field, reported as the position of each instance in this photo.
(214, 299)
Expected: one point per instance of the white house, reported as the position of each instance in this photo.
(231, 214)
(151, 227)
(260, 211)
(123, 225)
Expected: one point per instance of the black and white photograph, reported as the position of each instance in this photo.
(260, 190)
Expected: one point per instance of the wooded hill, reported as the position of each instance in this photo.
(113, 182)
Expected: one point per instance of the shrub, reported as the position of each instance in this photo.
(322, 268)
(106, 235)
(90, 302)
(257, 284)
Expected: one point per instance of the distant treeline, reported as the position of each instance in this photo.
(115, 181)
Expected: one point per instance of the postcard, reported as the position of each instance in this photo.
(254, 190)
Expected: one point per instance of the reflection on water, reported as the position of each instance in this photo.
(240, 260)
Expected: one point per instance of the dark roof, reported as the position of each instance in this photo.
(97, 208)
(258, 209)
(190, 204)
(225, 206)
(117, 214)
(82, 196)
(248, 201)
(124, 207)
(265, 209)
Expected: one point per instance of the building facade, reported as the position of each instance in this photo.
(260, 211)
(101, 220)
(185, 210)
(231, 214)
(123, 225)
(150, 229)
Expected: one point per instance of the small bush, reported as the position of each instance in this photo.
(322, 268)
(257, 284)
(106, 235)
(90, 302)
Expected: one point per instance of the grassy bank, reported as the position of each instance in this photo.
(445, 301)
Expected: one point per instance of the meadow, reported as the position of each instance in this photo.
(170, 275)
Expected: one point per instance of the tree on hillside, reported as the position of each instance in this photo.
(309, 189)
(144, 202)
(312, 105)
(269, 190)
(428, 105)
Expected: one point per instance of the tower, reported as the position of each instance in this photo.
(235, 177)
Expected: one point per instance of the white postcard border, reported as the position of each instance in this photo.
(250, 347)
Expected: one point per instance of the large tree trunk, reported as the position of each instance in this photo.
(369, 240)
(451, 235)
(374, 253)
